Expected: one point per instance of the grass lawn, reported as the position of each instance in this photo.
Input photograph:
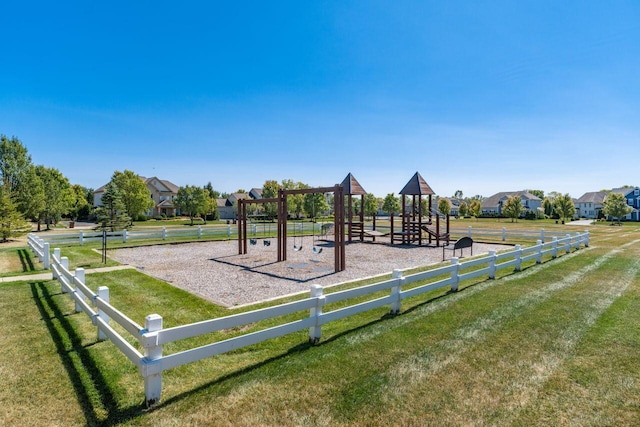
(555, 344)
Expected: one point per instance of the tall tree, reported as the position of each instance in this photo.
(270, 191)
(444, 207)
(475, 208)
(564, 207)
(370, 204)
(30, 196)
(14, 162)
(547, 205)
(537, 193)
(58, 195)
(214, 194)
(192, 200)
(512, 208)
(615, 206)
(134, 192)
(315, 205)
(112, 214)
(462, 209)
(80, 205)
(12, 223)
(391, 204)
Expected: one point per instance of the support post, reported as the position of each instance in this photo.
(79, 273)
(56, 256)
(504, 234)
(542, 235)
(469, 232)
(315, 332)
(64, 262)
(124, 236)
(518, 257)
(152, 351)
(395, 292)
(199, 232)
(47, 256)
(554, 254)
(103, 294)
(567, 247)
(492, 265)
(539, 257)
(164, 233)
(586, 239)
(454, 274)
(81, 237)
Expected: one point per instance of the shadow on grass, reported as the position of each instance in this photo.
(84, 373)
(25, 260)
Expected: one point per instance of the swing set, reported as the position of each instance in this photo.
(281, 202)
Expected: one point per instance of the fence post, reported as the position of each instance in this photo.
(586, 239)
(568, 245)
(518, 257)
(469, 232)
(164, 233)
(47, 256)
(56, 257)
(395, 292)
(542, 235)
(103, 294)
(539, 257)
(504, 234)
(454, 274)
(554, 254)
(492, 265)
(152, 377)
(79, 273)
(199, 232)
(228, 231)
(64, 262)
(81, 237)
(315, 331)
(124, 236)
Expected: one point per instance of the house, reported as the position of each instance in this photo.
(589, 205)
(162, 193)
(493, 205)
(227, 208)
(632, 196)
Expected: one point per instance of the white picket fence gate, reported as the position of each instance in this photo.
(153, 336)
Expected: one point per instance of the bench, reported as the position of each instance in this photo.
(464, 242)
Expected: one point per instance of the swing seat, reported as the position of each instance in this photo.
(253, 242)
(297, 248)
(266, 242)
(317, 250)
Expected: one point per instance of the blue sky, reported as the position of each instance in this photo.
(478, 96)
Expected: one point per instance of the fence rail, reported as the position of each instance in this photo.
(153, 336)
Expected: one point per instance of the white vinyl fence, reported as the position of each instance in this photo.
(153, 336)
(486, 233)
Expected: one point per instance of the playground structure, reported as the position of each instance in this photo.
(413, 223)
(282, 216)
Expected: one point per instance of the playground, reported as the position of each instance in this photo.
(255, 270)
(216, 272)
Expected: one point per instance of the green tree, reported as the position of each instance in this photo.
(80, 205)
(564, 207)
(475, 208)
(444, 206)
(58, 198)
(12, 223)
(14, 162)
(270, 190)
(112, 214)
(214, 194)
(513, 208)
(615, 206)
(193, 201)
(315, 205)
(391, 204)
(462, 209)
(370, 204)
(31, 197)
(547, 206)
(136, 197)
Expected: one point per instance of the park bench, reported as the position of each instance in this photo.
(464, 242)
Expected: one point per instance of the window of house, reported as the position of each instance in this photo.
(636, 192)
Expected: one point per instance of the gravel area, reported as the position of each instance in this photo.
(215, 271)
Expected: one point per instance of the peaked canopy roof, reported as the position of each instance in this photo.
(417, 186)
(352, 186)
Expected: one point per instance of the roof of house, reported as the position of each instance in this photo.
(417, 186)
(596, 197)
(170, 186)
(257, 191)
(351, 186)
(494, 200)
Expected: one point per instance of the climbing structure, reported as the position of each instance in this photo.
(355, 224)
(413, 218)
